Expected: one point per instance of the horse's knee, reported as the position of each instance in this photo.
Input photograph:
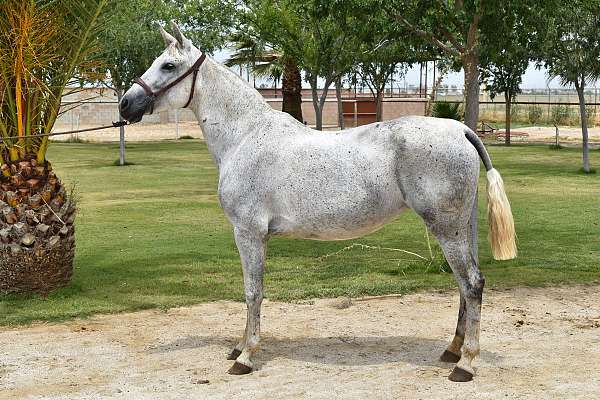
(254, 298)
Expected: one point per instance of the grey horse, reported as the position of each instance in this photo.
(279, 177)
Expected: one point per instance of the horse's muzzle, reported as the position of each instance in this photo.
(133, 108)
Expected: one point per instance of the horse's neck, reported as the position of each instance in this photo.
(227, 108)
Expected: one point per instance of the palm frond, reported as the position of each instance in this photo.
(43, 45)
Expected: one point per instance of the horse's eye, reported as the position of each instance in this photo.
(168, 67)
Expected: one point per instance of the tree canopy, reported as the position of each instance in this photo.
(571, 52)
(130, 40)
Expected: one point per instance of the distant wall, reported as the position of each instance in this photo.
(101, 109)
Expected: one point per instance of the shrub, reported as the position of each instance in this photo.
(591, 116)
(560, 114)
(535, 114)
(443, 109)
(515, 110)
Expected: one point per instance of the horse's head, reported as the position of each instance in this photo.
(160, 88)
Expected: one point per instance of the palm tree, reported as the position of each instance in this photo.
(44, 46)
(272, 64)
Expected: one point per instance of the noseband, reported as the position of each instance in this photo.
(153, 95)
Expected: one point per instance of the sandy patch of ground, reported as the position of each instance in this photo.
(536, 344)
(547, 134)
(134, 133)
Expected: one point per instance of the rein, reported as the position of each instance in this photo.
(113, 125)
(153, 95)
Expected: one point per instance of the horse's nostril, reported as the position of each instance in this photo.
(124, 104)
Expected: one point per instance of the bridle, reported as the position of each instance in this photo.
(153, 95)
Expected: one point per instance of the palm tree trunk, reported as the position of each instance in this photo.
(584, 128)
(291, 89)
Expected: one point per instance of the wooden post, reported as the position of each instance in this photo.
(177, 124)
(121, 134)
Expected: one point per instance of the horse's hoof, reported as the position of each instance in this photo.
(239, 369)
(449, 357)
(460, 375)
(235, 353)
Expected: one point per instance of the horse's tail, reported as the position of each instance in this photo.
(500, 219)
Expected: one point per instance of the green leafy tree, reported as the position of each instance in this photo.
(45, 46)
(572, 53)
(462, 29)
(311, 33)
(382, 52)
(506, 48)
(453, 27)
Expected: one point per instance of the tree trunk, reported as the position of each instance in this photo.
(340, 105)
(291, 89)
(319, 101)
(121, 133)
(507, 127)
(584, 127)
(379, 105)
(471, 68)
(316, 105)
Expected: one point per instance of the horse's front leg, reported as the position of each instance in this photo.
(251, 246)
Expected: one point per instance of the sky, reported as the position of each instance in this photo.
(533, 78)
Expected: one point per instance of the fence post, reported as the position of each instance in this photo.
(549, 117)
(121, 133)
(177, 124)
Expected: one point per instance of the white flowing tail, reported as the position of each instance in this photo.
(500, 219)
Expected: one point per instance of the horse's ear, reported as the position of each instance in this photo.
(167, 37)
(182, 41)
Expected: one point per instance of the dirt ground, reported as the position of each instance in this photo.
(135, 133)
(536, 344)
(566, 134)
(149, 132)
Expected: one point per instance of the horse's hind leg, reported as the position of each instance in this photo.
(457, 250)
(453, 351)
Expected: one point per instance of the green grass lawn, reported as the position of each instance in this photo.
(152, 234)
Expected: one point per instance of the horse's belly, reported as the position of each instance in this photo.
(333, 226)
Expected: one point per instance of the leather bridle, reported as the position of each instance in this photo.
(153, 95)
